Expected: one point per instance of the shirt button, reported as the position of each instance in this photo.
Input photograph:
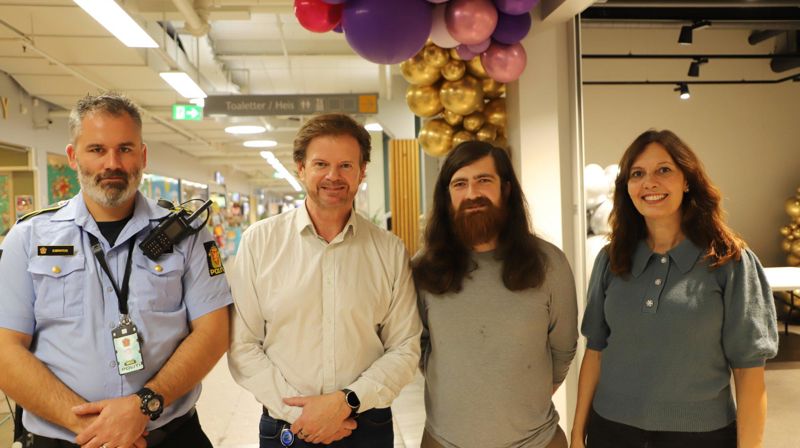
(658, 281)
(649, 303)
(663, 259)
(112, 364)
(56, 270)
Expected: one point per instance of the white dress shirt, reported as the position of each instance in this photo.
(314, 317)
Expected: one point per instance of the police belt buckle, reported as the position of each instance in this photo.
(287, 437)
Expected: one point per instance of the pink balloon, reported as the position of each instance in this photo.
(471, 21)
(439, 34)
(481, 47)
(465, 53)
(504, 63)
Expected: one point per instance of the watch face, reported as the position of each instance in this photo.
(153, 405)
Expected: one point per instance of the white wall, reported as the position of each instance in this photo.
(747, 136)
(26, 124)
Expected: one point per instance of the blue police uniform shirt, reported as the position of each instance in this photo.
(69, 305)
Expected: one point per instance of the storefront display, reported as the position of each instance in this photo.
(193, 190)
(160, 187)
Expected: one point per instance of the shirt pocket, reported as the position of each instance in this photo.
(157, 285)
(59, 285)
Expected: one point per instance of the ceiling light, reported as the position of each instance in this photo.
(374, 127)
(198, 102)
(694, 67)
(685, 37)
(183, 84)
(245, 129)
(280, 169)
(114, 19)
(683, 88)
(260, 143)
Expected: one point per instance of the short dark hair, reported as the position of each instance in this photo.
(444, 261)
(111, 103)
(331, 125)
(702, 218)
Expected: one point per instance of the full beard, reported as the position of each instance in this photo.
(479, 227)
(114, 193)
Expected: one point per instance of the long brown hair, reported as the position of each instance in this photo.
(445, 260)
(702, 217)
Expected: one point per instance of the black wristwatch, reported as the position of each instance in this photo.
(352, 400)
(152, 403)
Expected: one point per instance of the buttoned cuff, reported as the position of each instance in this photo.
(367, 394)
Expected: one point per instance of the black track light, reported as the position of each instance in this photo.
(685, 38)
(683, 88)
(694, 67)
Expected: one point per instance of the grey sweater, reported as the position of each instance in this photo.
(671, 332)
(491, 356)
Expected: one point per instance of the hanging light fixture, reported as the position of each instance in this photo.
(694, 67)
(683, 88)
(685, 37)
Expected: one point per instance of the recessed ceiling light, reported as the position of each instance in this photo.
(260, 143)
(245, 129)
(114, 19)
(183, 84)
(375, 127)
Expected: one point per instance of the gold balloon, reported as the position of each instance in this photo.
(795, 249)
(792, 207)
(796, 233)
(423, 100)
(793, 260)
(475, 68)
(786, 230)
(454, 55)
(786, 245)
(495, 111)
(454, 70)
(417, 72)
(790, 237)
(463, 97)
(501, 141)
(797, 221)
(487, 133)
(452, 118)
(493, 89)
(461, 137)
(435, 56)
(436, 137)
(474, 121)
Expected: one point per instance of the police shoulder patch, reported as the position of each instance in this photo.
(50, 209)
(214, 258)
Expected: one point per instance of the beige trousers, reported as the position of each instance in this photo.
(559, 440)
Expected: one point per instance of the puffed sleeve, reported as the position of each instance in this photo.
(594, 325)
(749, 329)
(16, 301)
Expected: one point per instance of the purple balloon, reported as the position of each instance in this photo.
(481, 47)
(511, 29)
(334, 2)
(465, 53)
(338, 28)
(387, 31)
(437, 1)
(504, 63)
(515, 7)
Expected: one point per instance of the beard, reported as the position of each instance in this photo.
(110, 194)
(478, 227)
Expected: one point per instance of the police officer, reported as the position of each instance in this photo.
(102, 346)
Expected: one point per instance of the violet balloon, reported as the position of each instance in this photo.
(437, 1)
(471, 21)
(387, 31)
(504, 63)
(465, 53)
(439, 34)
(512, 29)
(515, 7)
(334, 2)
(481, 47)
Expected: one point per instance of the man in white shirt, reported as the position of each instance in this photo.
(326, 330)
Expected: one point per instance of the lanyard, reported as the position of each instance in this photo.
(122, 294)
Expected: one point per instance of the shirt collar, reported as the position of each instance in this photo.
(303, 221)
(685, 255)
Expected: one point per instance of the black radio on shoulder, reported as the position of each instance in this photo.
(171, 231)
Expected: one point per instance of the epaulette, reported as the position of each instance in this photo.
(59, 205)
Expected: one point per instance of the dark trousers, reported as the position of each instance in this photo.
(186, 434)
(603, 433)
(374, 431)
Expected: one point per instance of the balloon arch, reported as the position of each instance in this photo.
(456, 54)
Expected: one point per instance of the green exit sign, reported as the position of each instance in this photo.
(184, 112)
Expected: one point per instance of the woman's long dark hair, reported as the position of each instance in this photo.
(445, 260)
(702, 218)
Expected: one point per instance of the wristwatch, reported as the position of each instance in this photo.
(152, 403)
(352, 400)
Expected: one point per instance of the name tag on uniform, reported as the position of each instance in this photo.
(55, 250)
(127, 348)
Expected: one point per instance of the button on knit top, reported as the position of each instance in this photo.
(670, 333)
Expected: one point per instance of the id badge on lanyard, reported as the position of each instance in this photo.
(126, 338)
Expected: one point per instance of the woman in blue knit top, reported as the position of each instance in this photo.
(676, 302)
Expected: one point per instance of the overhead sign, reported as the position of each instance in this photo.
(261, 105)
(184, 112)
